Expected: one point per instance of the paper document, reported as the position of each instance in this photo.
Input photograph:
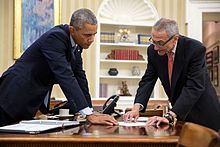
(37, 126)
(132, 123)
(144, 119)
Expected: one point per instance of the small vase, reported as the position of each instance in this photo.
(136, 71)
(113, 71)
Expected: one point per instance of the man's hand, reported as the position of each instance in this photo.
(156, 121)
(134, 113)
(102, 119)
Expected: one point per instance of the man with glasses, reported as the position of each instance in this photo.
(179, 62)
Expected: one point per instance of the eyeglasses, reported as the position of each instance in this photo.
(160, 43)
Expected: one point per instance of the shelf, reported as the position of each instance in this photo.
(120, 77)
(116, 23)
(123, 61)
(124, 44)
(120, 98)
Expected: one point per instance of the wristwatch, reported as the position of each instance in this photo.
(169, 117)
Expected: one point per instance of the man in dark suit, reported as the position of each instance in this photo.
(179, 62)
(54, 58)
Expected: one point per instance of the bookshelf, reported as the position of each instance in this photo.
(124, 59)
(122, 43)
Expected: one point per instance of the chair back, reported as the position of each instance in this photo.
(194, 135)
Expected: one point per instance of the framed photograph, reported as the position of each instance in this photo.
(31, 20)
(209, 59)
(216, 55)
(215, 75)
(210, 74)
(143, 38)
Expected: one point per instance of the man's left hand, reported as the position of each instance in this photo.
(156, 121)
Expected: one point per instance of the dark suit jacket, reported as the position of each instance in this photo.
(49, 60)
(191, 93)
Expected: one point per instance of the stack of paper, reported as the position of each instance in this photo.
(37, 126)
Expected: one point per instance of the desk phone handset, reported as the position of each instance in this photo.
(110, 108)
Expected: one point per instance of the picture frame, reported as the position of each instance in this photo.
(210, 73)
(31, 20)
(143, 38)
(216, 54)
(215, 75)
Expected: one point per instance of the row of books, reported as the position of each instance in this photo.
(107, 37)
(126, 54)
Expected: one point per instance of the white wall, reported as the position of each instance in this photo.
(194, 10)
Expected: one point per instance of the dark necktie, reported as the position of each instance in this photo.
(170, 65)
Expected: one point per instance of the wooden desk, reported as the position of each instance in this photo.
(96, 136)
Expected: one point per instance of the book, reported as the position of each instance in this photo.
(103, 89)
(37, 126)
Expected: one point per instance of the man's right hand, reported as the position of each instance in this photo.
(133, 114)
(104, 119)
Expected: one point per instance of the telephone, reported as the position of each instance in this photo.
(110, 108)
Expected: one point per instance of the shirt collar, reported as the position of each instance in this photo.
(74, 45)
(72, 41)
(174, 49)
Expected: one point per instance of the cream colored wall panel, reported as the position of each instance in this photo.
(67, 8)
(6, 37)
(173, 9)
(2, 60)
(9, 32)
(65, 11)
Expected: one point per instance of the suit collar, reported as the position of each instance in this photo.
(71, 43)
(178, 63)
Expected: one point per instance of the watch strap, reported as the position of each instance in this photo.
(169, 117)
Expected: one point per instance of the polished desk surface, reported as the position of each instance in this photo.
(97, 136)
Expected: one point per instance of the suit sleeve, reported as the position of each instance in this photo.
(54, 49)
(195, 83)
(82, 80)
(147, 83)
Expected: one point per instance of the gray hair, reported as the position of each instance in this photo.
(168, 25)
(82, 16)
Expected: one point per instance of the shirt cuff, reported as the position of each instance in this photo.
(141, 106)
(86, 111)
